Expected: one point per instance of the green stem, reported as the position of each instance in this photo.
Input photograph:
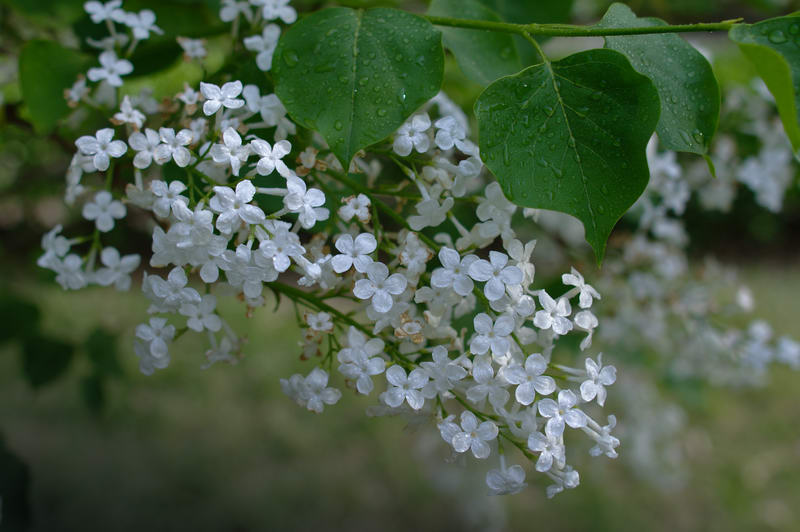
(568, 30)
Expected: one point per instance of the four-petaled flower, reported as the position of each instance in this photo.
(379, 286)
(361, 360)
(550, 450)
(454, 273)
(553, 314)
(586, 291)
(101, 147)
(490, 335)
(231, 152)
(354, 252)
(234, 207)
(599, 377)
(111, 69)
(174, 146)
(103, 210)
(413, 135)
(405, 387)
(530, 379)
(271, 157)
(470, 435)
(217, 97)
(496, 273)
(563, 411)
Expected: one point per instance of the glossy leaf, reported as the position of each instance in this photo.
(774, 48)
(570, 136)
(483, 56)
(45, 69)
(686, 84)
(355, 76)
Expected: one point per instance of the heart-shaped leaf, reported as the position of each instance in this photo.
(683, 77)
(482, 55)
(355, 76)
(570, 136)
(774, 48)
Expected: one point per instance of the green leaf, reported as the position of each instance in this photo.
(355, 76)
(482, 55)
(774, 48)
(15, 484)
(570, 136)
(527, 11)
(101, 346)
(683, 77)
(45, 69)
(44, 359)
(19, 319)
(93, 393)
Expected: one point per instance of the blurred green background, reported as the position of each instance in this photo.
(88, 443)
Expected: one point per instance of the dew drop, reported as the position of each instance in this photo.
(290, 58)
(338, 125)
(601, 209)
(381, 112)
(794, 29)
(777, 37)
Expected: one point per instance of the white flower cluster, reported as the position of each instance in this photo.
(430, 309)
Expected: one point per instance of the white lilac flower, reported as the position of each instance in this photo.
(312, 391)
(361, 360)
(144, 144)
(69, 272)
(357, 206)
(490, 335)
(506, 481)
(320, 322)
(174, 146)
(404, 388)
(283, 246)
(587, 292)
(450, 132)
(101, 147)
(307, 203)
(599, 377)
(412, 135)
(201, 316)
(568, 478)
(128, 114)
(231, 9)
(554, 314)
(487, 384)
(530, 379)
(354, 252)
(218, 97)
(246, 271)
(234, 207)
(454, 272)
(430, 213)
(117, 270)
(561, 412)
(606, 443)
(142, 24)
(54, 245)
(172, 292)
(264, 45)
(157, 334)
(111, 69)
(100, 12)
(473, 436)
(270, 157)
(231, 151)
(550, 450)
(588, 322)
(379, 287)
(277, 9)
(104, 209)
(193, 48)
(522, 258)
(166, 195)
(496, 273)
(442, 372)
